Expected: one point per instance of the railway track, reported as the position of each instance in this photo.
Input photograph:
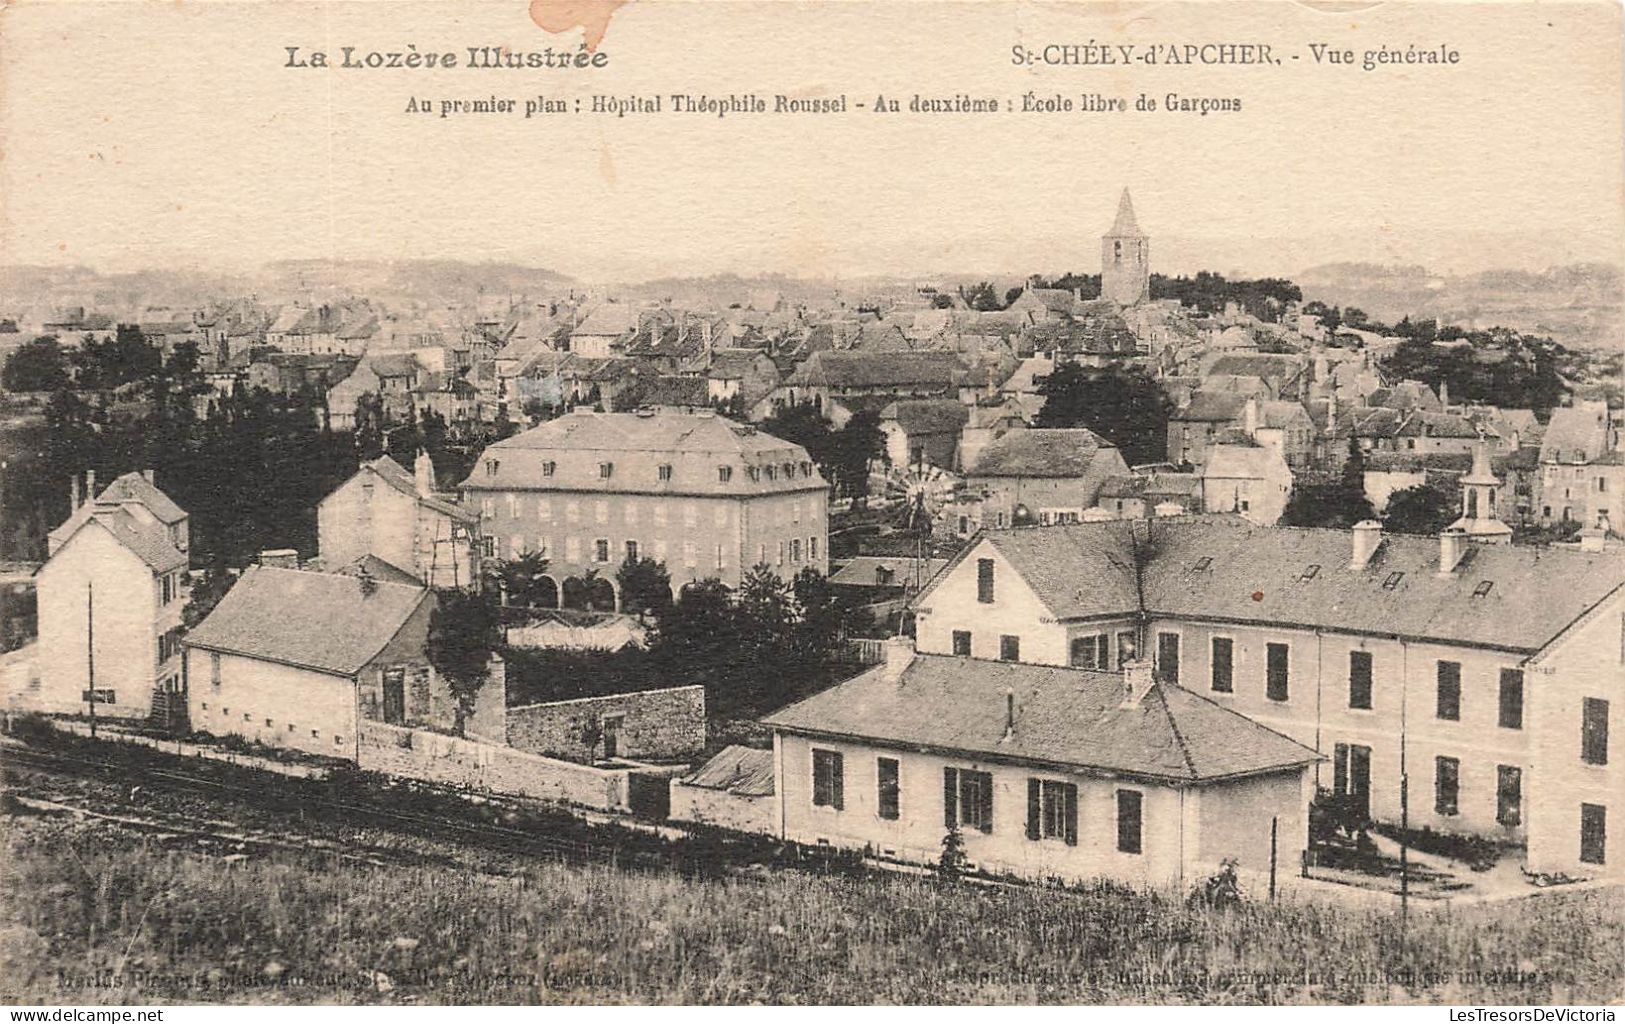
(295, 802)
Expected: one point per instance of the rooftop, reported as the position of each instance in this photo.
(1074, 718)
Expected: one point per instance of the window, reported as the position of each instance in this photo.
(1360, 680)
(167, 584)
(771, 471)
(1128, 647)
(1393, 580)
(1593, 833)
(662, 472)
(754, 472)
(214, 667)
(1052, 811)
(631, 551)
(548, 468)
(1009, 648)
(812, 549)
(724, 474)
(984, 580)
(1511, 716)
(967, 799)
(1168, 658)
(887, 787)
(1310, 572)
(1508, 794)
(1448, 703)
(606, 470)
(1089, 651)
(1594, 731)
(1128, 820)
(962, 642)
(600, 550)
(1446, 785)
(1223, 664)
(488, 547)
(795, 549)
(827, 783)
(1483, 588)
(1276, 682)
(1203, 564)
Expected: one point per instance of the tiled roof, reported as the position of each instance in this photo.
(1212, 407)
(313, 620)
(634, 445)
(928, 416)
(865, 571)
(742, 771)
(878, 369)
(1266, 367)
(1261, 574)
(149, 540)
(1067, 717)
(1043, 453)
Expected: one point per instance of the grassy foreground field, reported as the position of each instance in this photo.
(92, 916)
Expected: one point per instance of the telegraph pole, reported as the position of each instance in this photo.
(90, 652)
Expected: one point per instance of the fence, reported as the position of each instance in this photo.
(448, 760)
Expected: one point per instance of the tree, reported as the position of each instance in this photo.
(818, 621)
(853, 448)
(1124, 406)
(982, 297)
(941, 301)
(217, 581)
(645, 586)
(40, 365)
(465, 629)
(1423, 509)
(521, 579)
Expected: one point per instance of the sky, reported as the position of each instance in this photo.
(145, 134)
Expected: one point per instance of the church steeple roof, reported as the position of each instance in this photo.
(1125, 225)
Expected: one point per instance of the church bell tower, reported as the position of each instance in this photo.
(1125, 258)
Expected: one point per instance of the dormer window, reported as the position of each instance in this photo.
(606, 470)
(664, 472)
(1203, 564)
(789, 470)
(1393, 580)
(772, 472)
(1483, 588)
(806, 469)
(1311, 572)
(755, 472)
(491, 467)
(724, 474)
(548, 467)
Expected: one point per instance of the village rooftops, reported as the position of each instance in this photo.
(879, 369)
(646, 452)
(1037, 714)
(321, 621)
(1041, 453)
(1224, 569)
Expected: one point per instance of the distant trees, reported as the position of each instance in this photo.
(1337, 504)
(1423, 509)
(1124, 406)
(1210, 292)
(39, 365)
(982, 297)
(206, 594)
(844, 455)
(1498, 367)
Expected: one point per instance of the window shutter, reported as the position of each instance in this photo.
(1035, 808)
(1071, 814)
(950, 797)
(987, 802)
(838, 794)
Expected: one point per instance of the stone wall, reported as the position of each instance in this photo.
(448, 760)
(656, 725)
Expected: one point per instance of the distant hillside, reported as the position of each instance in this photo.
(418, 280)
(1580, 305)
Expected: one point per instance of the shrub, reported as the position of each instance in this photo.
(1222, 889)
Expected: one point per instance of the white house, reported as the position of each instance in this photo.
(297, 659)
(394, 515)
(1252, 479)
(110, 598)
(1045, 772)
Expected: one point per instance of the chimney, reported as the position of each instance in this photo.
(423, 474)
(1137, 681)
(280, 558)
(899, 655)
(90, 485)
(1444, 394)
(1249, 417)
(73, 493)
(147, 475)
(1452, 542)
(1009, 713)
(1367, 538)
